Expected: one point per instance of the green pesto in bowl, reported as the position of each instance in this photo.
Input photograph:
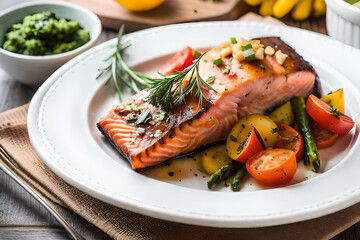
(45, 34)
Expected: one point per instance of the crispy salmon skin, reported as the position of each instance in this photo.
(146, 135)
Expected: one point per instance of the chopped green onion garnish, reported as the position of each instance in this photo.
(130, 117)
(197, 54)
(158, 133)
(162, 116)
(226, 70)
(246, 47)
(233, 40)
(210, 79)
(194, 10)
(218, 61)
(249, 54)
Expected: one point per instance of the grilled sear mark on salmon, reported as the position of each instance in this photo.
(247, 88)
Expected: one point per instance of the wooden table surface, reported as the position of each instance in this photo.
(21, 217)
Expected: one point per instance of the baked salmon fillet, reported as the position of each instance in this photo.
(147, 135)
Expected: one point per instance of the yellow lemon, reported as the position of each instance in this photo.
(140, 5)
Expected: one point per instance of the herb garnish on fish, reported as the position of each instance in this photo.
(169, 91)
(165, 92)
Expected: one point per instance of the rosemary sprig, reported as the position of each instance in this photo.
(121, 74)
(165, 92)
(170, 91)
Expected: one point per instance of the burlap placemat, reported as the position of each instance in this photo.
(123, 224)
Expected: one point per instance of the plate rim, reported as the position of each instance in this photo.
(150, 211)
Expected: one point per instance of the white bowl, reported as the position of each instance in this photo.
(343, 22)
(34, 70)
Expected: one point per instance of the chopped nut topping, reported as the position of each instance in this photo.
(236, 48)
(269, 51)
(280, 57)
(225, 52)
(140, 130)
(239, 56)
(259, 54)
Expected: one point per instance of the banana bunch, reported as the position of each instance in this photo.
(301, 9)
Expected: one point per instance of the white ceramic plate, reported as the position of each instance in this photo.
(63, 114)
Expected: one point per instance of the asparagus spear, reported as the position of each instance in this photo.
(235, 185)
(312, 154)
(223, 173)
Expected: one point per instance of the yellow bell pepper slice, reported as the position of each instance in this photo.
(283, 114)
(214, 158)
(335, 99)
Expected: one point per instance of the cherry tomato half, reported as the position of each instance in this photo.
(328, 117)
(272, 167)
(179, 61)
(290, 139)
(323, 138)
(251, 145)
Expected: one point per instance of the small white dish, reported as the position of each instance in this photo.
(34, 70)
(343, 22)
(79, 154)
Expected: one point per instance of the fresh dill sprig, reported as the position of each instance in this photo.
(171, 90)
(121, 74)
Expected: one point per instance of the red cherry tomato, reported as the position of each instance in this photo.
(290, 139)
(323, 138)
(327, 117)
(179, 61)
(250, 146)
(272, 167)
